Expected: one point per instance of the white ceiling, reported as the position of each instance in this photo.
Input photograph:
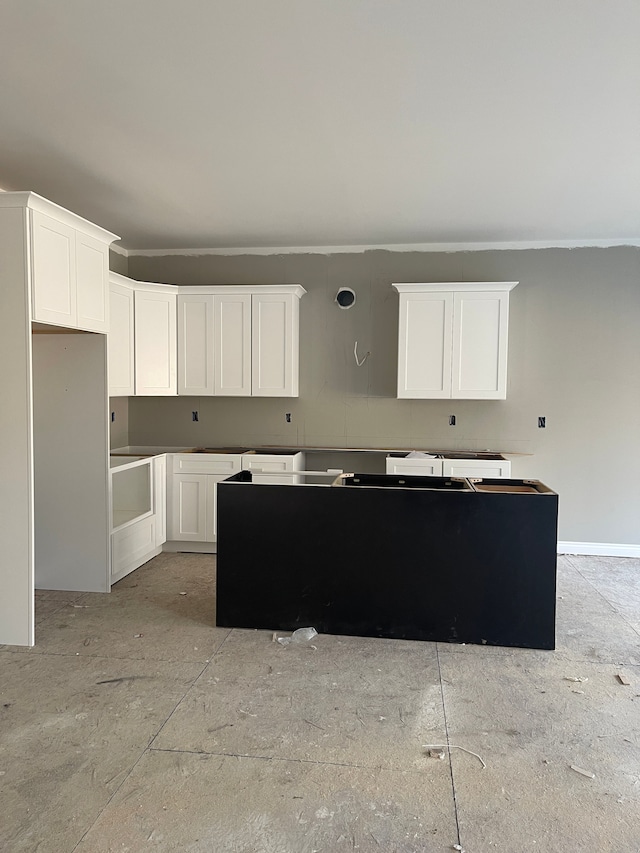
(247, 123)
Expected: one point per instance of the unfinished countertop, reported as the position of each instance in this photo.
(155, 450)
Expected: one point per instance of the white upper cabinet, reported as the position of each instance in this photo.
(121, 339)
(53, 256)
(239, 340)
(155, 342)
(424, 344)
(232, 324)
(195, 345)
(92, 283)
(453, 340)
(274, 337)
(69, 264)
(480, 337)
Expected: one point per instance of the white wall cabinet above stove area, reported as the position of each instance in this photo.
(69, 264)
(235, 340)
(453, 340)
(239, 341)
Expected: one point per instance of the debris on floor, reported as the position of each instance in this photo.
(623, 679)
(458, 847)
(137, 636)
(300, 635)
(582, 771)
(436, 753)
(578, 679)
(433, 746)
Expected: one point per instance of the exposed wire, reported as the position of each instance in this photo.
(355, 353)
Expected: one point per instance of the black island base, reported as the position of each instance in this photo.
(416, 558)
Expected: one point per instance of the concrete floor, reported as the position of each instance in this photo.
(136, 725)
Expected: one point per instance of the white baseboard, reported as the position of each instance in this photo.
(599, 549)
(175, 546)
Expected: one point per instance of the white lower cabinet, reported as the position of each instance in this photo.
(132, 546)
(160, 498)
(191, 497)
(440, 467)
(188, 519)
(138, 511)
(277, 469)
(192, 491)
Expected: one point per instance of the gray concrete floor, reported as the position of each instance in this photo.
(135, 725)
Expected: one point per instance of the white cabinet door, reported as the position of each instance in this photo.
(476, 468)
(120, 342)
(53, 258)
(424, 345)
(160, 498)
(92, 283)
(195, 345)
(188, 519)
(480, 328)
(274, 340)
(232, 324)
(414, 467)
(192, 487)
(155, 343)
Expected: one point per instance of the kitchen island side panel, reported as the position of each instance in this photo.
(410, 564)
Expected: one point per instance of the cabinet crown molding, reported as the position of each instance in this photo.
(208, 289)
(116, 278)
(454, 286)
(220, 289)
(33, 201)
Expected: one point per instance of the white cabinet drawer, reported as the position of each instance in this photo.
(266, 467)
(414, 467)
(476, 468)
(221, 464)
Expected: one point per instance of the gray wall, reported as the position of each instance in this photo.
(573, 357)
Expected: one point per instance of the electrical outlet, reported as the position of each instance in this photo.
(194, 416)
(542, 423)
(452, 420)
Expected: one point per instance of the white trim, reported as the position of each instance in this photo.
(454, 286)
(119, 250)
(599, 549)
(33, 201)
(507, 245)
(247, 289)
(177, 546)
(123, 281)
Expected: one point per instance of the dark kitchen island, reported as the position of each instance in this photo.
(418, 558)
